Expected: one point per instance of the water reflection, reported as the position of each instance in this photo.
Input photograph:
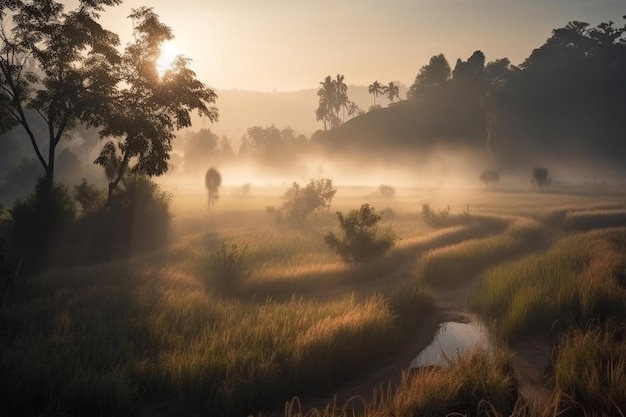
(451, 341)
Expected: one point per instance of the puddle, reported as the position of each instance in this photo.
(451, 341)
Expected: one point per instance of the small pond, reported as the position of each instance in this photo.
(452, 340)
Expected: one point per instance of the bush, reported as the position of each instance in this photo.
(136, 218)
(361, 239)
(89, 197)
(42, 218)
(300, 202)
(228, 268)
(386, 191)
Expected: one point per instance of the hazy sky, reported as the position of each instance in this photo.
(293, 44)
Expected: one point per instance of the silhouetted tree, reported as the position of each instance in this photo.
(146, 108)
(435, 74)
(354, 109)
(375, 89)
(341, 94)
(490, 177)
(212, 182)
(540, 177)
(327, 94)
(200, 149)
(56, 67)
(391, 91)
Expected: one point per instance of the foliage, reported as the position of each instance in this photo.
(362, 240)
(41, 219)
(243, 191)
(375, 89)
(89, 197)
(147, 107)
(228, 268)
(391, 91)
(212, 182)
(136, 218)
(272, 146)
(300, 202)
(58, 64)
(433, 218)
(434, 75)
(540, 178)
(333, 96)
(386, 191)
(490, 177)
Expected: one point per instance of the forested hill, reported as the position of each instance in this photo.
(566, 101)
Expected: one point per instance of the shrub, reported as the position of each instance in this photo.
(362, 239)
(43, 217)
(386, 191)
(300, 202)
(136, 218)
(89, 197)
(228, 268)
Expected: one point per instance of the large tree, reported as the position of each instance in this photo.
(435, 74)
(56, 67)
(146, 109)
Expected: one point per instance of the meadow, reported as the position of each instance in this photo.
(156, 334)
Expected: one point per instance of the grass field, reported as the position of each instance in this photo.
(154, 335)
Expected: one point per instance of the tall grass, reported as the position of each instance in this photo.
(578, 280)
(473, 385)
(459, 263)
(590, 369)
(594, 219)
(108, 339)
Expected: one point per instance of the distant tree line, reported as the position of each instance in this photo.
(567, 99)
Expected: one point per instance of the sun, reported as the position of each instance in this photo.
(169, 52)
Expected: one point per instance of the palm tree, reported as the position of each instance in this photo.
(327, 94)
(341, 94)
(391, 91)
(354, 109)
(375, 88)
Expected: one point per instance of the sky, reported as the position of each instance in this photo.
(287, 45)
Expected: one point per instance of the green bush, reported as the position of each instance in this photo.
(300, 202)
(362, 239)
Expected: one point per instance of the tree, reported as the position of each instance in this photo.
(333, 96)
(354, 109)
(327, 94)
(145, 108)
(490, 177)
(392, 91)
(212, 182)
(362, 240)
(375, 89)
(435, 74)
(56, 67)
(299, 202)
(540, 178)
